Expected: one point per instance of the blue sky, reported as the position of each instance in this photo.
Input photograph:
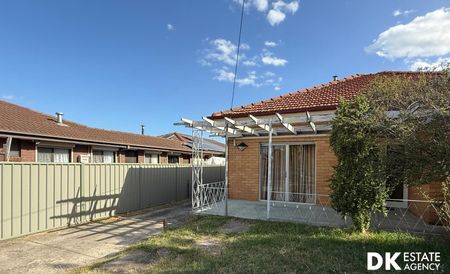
(117, 64)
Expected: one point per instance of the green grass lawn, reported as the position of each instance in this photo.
(201, 246)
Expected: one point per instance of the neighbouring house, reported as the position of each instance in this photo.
(303, 159)
(212, 150)
(30, 136)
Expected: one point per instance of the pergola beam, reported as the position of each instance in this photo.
(285, 124)
(241, 127)
(262, 124)
(222, 128)
(310, 122)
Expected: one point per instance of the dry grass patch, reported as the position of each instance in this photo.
(211, 244)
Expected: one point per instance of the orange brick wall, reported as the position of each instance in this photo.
(163, 158)
(79, 150)
(424, 209)
(244, 171)
(27, 151)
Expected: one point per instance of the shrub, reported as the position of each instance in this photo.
(358, 186)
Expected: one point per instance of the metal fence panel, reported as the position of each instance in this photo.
(36, 197)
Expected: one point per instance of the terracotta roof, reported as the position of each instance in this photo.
(210, 145)
(322, 97)
(24, 121)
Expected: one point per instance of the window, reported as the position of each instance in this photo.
(53, 155)
(131, 156)
(293, 173)
(102, 156)
(151, 158)
(174, 159)
(14, 150)
(395, 181)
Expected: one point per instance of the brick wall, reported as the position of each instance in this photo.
(141, 156)
(2, 153)
(27, 151)
(79, 150)
(163, 158)
(424, 209)
(244, 166)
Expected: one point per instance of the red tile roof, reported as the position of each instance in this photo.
(23, 121)
(322, 97)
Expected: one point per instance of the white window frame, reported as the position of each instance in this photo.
(400, 204)
(151, 154)
(53, 151)
(103, 151)
(286, 187)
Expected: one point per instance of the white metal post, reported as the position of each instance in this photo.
(8, 148)
(269, 171)
(226, 169)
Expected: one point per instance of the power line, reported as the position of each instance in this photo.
(237, 54)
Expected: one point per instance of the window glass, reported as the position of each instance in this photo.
(14, 151)
(293, 173)
(100, 156)
(131, 156)
(173, 159)
(61, 155)
(97, 156)
(45, 155)
(151, 158)
(108, 157)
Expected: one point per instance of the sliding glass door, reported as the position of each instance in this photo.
(293, 173)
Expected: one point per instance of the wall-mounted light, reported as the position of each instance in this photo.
(242, 146)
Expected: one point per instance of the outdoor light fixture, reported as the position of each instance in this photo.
(242, 146)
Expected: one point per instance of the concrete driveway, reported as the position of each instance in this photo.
(66, 249)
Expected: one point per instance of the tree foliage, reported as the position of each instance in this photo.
(408, 112)
(358, 187)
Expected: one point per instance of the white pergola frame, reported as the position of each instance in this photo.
(288, 125)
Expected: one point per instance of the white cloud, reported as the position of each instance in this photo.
(170, 27)
(275, 17)
(424, 36)
(280, 5)
(222, 51)
(274, 61)
(220, 57)
(270, 44)
(400, 12)
(7, 97)
(224, 75)
(250, 62)
(261, 5)
(250, 79)
(274, 14)
(420, 64)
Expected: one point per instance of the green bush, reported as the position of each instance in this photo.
(358, 186)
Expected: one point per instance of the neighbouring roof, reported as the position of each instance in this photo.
(19, 120)
(317, 98)
(186, 139)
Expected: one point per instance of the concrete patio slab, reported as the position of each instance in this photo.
(66, 249)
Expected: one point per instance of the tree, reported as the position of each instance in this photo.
(358, 186)
(414, 112)
(410, 112)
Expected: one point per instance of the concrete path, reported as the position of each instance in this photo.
(66, 249)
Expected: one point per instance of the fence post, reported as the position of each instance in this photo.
(81, 191)
(176, 183)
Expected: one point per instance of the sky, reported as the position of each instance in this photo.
(119, 64)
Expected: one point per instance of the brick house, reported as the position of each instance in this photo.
(303, 159)
(32, 136)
